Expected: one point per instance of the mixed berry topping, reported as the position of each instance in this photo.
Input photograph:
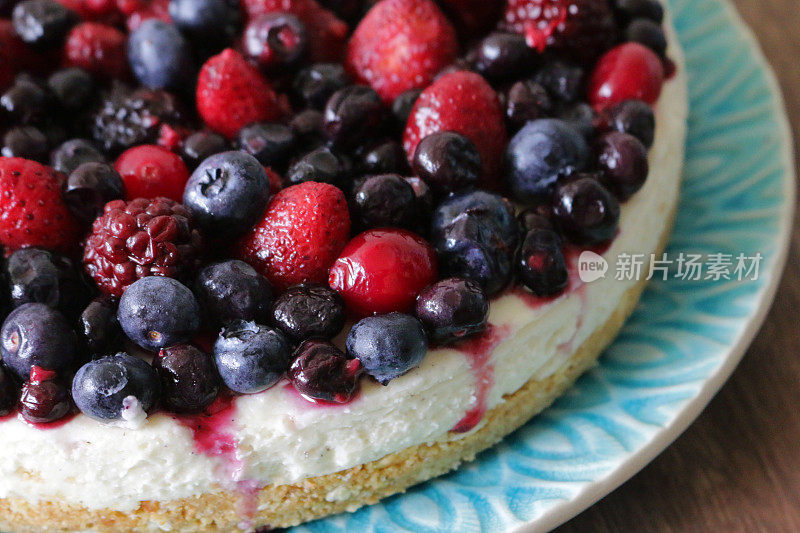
(229, 185)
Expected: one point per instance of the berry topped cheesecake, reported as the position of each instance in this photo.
(268, 261)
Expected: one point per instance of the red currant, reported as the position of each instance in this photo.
(629, 71)
(149, 171)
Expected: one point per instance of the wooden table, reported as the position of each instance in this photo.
(737, 468)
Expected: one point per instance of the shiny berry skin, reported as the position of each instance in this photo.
(300, 235)
(97, 48)
(117, 387)
(321, 372)
(35, 334)
(385, 157)
(209, 24)
(269, 142)
(635, 118)
(383, 270)
(73, 88)
(25, 102)
(9, 392)
(43, 24)
(90, 187)
(314, 85)
(140, 238)
(250, 357)
(447, 161)
(307, 127)
(150, 171)
(25, 141)
(586, 211)
(159, 56)
(383, 200)
(44, 398)
(541, 266)
(536, 217)
(526, 100)
(648, 33)
(403, 104)
(156, 312)
(502, 56)
(562, 80)
(72, 153)
(352, 116)
(581, 116)
(99, 328)
(309, 311)
(452, 309)
(232, 290)
(628, 71)
(188, 376)
(200, 145)
(320, 165)
(540, 153)
(622, 158)
(39, 276)
(627, 10)
(227, 193)
(275, 40)
(388, 345)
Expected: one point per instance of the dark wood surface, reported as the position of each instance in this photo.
(737, 468)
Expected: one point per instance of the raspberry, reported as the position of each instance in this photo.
(143, 237)
(98, 49)
(128, 118)
(32, 212)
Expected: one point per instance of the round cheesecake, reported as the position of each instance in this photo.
(275, 459)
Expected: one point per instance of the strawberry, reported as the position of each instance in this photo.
(303, 230)
(328, 34)
(32, 212)
(231, 93)
(401, 45)
(580, 29)
(465, 103)
(98, 49)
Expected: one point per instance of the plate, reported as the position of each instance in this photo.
(685, 337)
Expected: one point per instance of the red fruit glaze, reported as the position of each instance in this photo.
(383, 270)
(629, 71)
(32, 212)
(231, 93)
(465, 103)
(149, 171)
(302, 232)
(327, 34)
(401, 45)
(98, 49)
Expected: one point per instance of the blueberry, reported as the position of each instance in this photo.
(384, 200)
(526, 100)
(563, 81)
(586, 211)
(251, 357)
(403, 104)
(307, 127)
(424, 202)
(117, 387)
(73, 88)
(271, 143)
(580, 116)
(540, 153)
(491, 209)
(503, 56)
(26, 142)
(227, 193)
(232, 290)
(35, 334)
(25, 102)
(541, 265)
(630, 9)
(9, 392)
(45, 398)
(447, 161)
(99, 327)
(42, 23)
(276, 40)
(72, 153)
(159, 56)
(309, 311)
(623, 160)
(90, 187)
(539, 216)
(314, 85)
(320, 165)
(385, 157)
(210, 24)
(648, 33)
(352, 115)
(452, 309)
(156, 312)
(634, 117)
(388, 346)
(321, 371)
(189, 379)
(40, 276)
(201, 145)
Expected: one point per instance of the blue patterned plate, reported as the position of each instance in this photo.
(685, 337)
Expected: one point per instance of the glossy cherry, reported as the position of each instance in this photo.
(630, 70)
(149, 171)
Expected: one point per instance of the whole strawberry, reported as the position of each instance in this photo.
(401, 45)
(302, 232)
(143, 237)
(32, 212)
(581, 29)
(231, 93)
(462, 102)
